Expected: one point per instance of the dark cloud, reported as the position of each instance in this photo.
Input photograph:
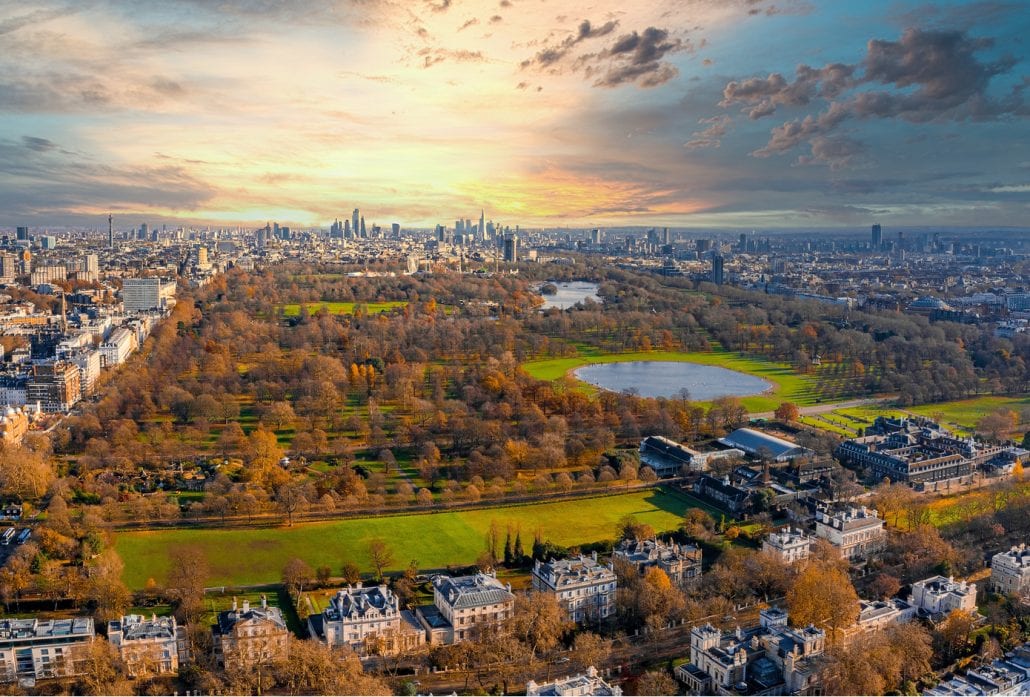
(929, 76)
(468, 23)
(12, 24)
(550, 55)
(495, 19)
(438, 5)
(38, 144)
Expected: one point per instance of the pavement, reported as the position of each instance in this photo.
(828, 407)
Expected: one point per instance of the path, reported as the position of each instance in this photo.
(828, 407)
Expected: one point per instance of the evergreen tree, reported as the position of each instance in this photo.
(507, 548)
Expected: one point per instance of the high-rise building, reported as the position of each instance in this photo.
(110, 231)
(144, 231)
(144, 294)
(595, 236)
(396, 229)
(346, 228)
(511, 248)
(8, 267)
(876, 238)
(364, 232)
(666, 237)
(482, 223)
(717, 270)
(354, 226)
(22, 233)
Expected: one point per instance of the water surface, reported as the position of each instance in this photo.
(569, 294)
(670, 378)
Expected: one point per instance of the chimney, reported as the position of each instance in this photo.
(264, 600)
(234, 603)
(246, 606)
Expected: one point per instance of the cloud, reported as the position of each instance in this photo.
(928, 76)
(432, 56)
(639, 56)
(550, 55)
(710, 137)
(468, 23)
(438, 5)
(38, 144)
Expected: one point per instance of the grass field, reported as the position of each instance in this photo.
(342, 308)
(965, 413)
(788, 386)
(251, 556)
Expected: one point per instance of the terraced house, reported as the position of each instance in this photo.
(149, 646)
(584, 587)
(681, 563)
(368, 620)
(248, 636)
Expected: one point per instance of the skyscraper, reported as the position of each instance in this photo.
(511, 248)
(22, 233)
(110, 231)
(482, 223)
(355, 216)
(877, 237)
(364, 233)
(717, 270)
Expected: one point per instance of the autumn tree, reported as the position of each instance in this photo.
(824, 596)
(297, 575)
(656, 682)
(187, 576)
(380, 556)
(787, 412)
(539, 622)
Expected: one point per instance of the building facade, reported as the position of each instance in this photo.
(587, 683)
(367, 619)
(249, 636)
(149, 646)
(1010, 571)
(857, 533)
(584, 587)
(681, 563)
(33, 649)
(56, 386)
(938, 596)
(464, 606)
(789, 546)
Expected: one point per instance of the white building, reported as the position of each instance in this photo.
(857, 532)
(462, 605)
(32, 649)
(1010, 571)
(583, 587)
(143, 294)
(89, 363)
(877, 614)
(789, 546)
(680, 562)
(149, 646)
(247, 636)
(588, 683)
(940, 596)
(369, 620)
(118, 347)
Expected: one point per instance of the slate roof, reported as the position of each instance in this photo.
(472, 591)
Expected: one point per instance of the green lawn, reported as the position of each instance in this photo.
(965, 413)
(343, 308)
(250, 556)
(788, 386)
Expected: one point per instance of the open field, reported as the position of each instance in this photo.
(343, 308)
(959, 416)
(251, 556)
(965, 413)
(788, 386)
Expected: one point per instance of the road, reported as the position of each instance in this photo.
(828, 407)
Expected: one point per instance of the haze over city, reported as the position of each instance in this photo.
(752, 113)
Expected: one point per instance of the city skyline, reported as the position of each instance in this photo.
(745, 114)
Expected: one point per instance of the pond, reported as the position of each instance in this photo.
(670, 378)
(569, 294)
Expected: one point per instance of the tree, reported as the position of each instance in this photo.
(885, 586)
(24, 473)
(589, 649)
(290, 497)
(823, 595)
(297, 574)
(350, 572)
(379, 556)
(539, 622)
(314, 668)
(656, 682)
(323, 574)
(187, 576)
(952, 635)
(787, 412)
(99, 667)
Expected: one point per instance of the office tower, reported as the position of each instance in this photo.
(482, 223)
(666, 237)
(202, 257)
(144, 231)
(110, 231)
(717, 270)
(877, 237)
(364, 233)
(459, 227)
(8, 267)
(511, 249)
(276, 231)
(441, 233)
(346, 228)
(22, 233)
(743, 242)
(354, 226)
(595, 236)
(396, 229)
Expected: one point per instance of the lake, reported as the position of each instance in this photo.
(569, 294)
(668, 378)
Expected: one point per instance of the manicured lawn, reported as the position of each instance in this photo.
(788, 386)
(250, 556)
(343, 308)
(965, 413)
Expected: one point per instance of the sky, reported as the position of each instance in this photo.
(684, 113)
